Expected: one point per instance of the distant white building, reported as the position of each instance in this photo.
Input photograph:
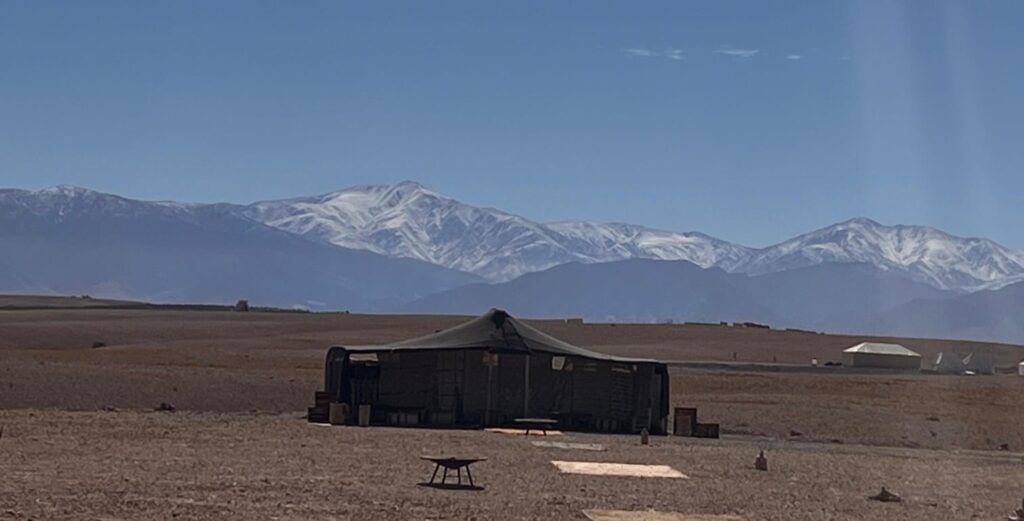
(881, 356)
(1020, 369)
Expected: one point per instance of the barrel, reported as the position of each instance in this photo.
(364, 415)
(337, 412)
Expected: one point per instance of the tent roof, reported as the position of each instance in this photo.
(498, 331)
(881, 349)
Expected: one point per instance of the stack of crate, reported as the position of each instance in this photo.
(686, 424)
(320, 411)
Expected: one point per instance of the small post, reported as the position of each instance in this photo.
(645, 437)
(761, 463)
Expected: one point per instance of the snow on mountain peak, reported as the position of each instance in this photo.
(409, 220)
(65, 190)
(923, 253)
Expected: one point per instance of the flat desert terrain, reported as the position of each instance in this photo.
(81, 439)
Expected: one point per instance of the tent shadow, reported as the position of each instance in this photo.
(450, 486)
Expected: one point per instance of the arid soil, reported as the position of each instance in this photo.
(239, 448)
(149, 465)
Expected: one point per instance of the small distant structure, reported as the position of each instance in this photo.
(948, 363)
(881, 356)
(1020, 369)
(242, 305)
(980, 362)
(574, 321)
(761, 462)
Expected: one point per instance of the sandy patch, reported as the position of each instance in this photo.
(568, 446)
(618, 469)
(623, 515)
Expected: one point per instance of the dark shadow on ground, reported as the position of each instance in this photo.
(451, 486)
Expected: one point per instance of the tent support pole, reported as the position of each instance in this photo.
(526, 389)
(487, 411)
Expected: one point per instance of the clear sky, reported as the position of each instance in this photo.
(751, 121)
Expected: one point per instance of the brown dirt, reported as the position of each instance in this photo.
(133, 465)
(225, 457)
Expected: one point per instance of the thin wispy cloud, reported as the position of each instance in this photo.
(640, 53)
(674, 54)
(794, 57)
(739, 53)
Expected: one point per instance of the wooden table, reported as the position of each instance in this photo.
(450, 463)
(537, 424)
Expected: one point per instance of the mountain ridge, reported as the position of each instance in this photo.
(409, 220)
(420, 223)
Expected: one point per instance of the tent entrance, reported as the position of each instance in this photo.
(450, 386)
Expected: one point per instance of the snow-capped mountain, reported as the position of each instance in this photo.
(69, 240)
(922, 253)
(409, 220)
(607, 242)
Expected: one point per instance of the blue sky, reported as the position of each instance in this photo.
(751, 121)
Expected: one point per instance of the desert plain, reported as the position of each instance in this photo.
(82, 439)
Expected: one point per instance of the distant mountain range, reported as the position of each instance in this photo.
(411, 221)
(404, 247)
(67, 240)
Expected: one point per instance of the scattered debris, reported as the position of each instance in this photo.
(795, 433)
(761, 463)
(886, 497)
(97, 345)
(1004, 447)
(932, 418)
(164, 406)
(107, 408)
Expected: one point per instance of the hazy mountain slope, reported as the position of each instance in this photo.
(986, 315)
(72, 241)
(408, 220)
(919, 252)
(833, 297)
(836, 297)
(631, 290)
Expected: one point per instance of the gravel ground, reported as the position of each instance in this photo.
(149, 465)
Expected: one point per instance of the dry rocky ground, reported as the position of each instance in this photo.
(149, 465)
(237, 448)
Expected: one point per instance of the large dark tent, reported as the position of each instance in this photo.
(491, 370)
